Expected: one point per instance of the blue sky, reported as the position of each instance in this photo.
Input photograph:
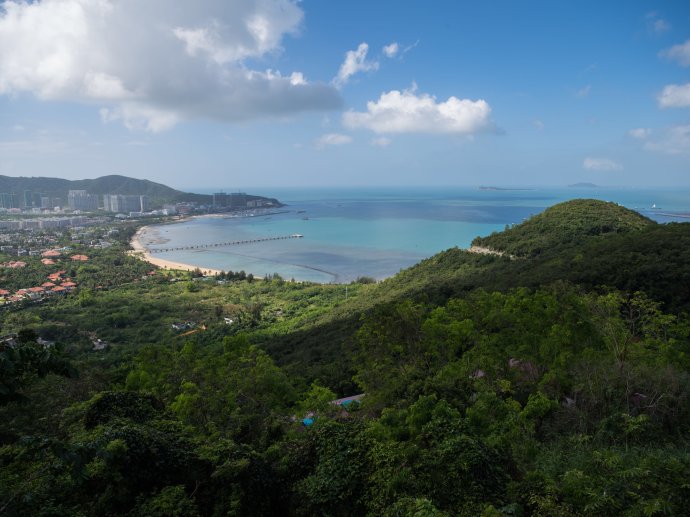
(233, 95)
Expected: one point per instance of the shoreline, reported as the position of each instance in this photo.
(139, 250)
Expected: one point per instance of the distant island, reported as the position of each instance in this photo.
(584, 185)
(503, 188)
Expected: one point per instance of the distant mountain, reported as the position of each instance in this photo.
(113, 184)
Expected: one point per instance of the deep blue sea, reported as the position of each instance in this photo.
(378, 231)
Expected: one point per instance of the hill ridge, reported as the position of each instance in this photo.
(564, 223)
(158, 193)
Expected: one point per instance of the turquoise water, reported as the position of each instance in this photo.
(376, 232)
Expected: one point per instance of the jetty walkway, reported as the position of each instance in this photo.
(229, 243)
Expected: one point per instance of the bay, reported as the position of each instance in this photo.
(375, 232)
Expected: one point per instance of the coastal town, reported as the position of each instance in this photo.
(47, 237)
(38, 264)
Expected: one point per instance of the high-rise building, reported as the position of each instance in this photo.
(8, 200)
(220, 200)
(238, 200)
(28, 199)
(124, 204)
(82, 200)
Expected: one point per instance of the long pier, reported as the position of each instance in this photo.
(229, 243)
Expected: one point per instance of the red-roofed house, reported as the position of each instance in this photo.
(59, 289)
(4, 292)
(47, 262)
(82, 258)
(51, 253)
(47, 284)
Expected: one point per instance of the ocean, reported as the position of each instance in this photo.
(376, 232)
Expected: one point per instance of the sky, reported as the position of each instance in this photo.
(236, 94)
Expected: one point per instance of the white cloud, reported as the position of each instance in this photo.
(584, 92)
(656, 24)
(675, 140)
(151, 65)
(640, 133)
(407, 112)
(355, 61)
(332, 139)
(538, 124)
(675, 96)
(601, 164)
(660, 26)
(381, 141)
(391, 50)
(679, 53)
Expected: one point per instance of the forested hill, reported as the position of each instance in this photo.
(638, 255)
(566, 223)
(112, 184)
(554, 384)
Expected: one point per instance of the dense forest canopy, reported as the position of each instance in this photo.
(552, 383)
(563, 224)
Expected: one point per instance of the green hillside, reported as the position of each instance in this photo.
(158, 193)
(563, 224)
(113, 184)
(557, 384)
(652, 260)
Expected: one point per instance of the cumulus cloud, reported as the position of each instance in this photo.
(675, 96)
(152, 66)
(601, 164)
(674, 140)
(407, 112)
(391, 50)
(538, 124)
(640, 133)
(355, 61)
(679, 53)
(330, 139)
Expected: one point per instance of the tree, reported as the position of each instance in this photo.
(26, 360)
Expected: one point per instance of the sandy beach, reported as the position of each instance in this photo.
(140, 250)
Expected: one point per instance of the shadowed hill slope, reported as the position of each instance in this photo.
(589, 244)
